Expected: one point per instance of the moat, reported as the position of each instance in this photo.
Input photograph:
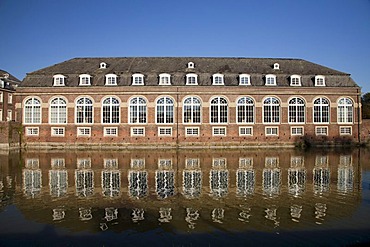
(177, 197)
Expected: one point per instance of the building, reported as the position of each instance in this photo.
(188, 102)
(8, 85)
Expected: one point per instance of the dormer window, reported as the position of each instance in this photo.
(191, 79)
(137, 79)
(85, 80)
(218, 79)
(164, 79)
(110, 79)
(276, 66)
(244, 79)
(295, 80)
(103, 65)
(270, 80)
(190, 65)
(59, 80)
(320, 81)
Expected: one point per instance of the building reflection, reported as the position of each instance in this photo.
(264, 190)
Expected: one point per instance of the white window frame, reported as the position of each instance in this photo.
(244, 80)
(85, 109)
(190, 83)
(270, 108)
(164, 131)
(9, 115)
(243, 131)
(57, 131)
(34, 110)
(320, 81)
(345, 110)
(59, 110)
(1, 114)
(296, 108)
(137, 107)
(1, 97)
(135, 131)
(192, 129)
(111, 80)
(59, 80)
(343, 132)
(276, 66)
(82, 131)
(85, 80)
(219, 131)
(190, 65)
(103, 65)
(32, 131)
(137, 79)
(294, 130)
(10, 98)
(164, 79)
(319, 130)
(193, 107)
(270, 80)
(219, 108)
(110, 131)
(111, 109)
(320, 110)
(295, 81)
(269, 131)
(218, 79)
(167, 108)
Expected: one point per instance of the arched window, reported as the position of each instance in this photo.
(271, 110)
(219, 110)
(32, 111)
(58, 111)
(84, 110)
(321, 108)
(137, 110)
(345, 110)
(192, 110)
(110, 110)
(296, 110)
(164, 110)
(245, 110)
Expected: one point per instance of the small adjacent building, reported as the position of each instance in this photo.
(188, 102)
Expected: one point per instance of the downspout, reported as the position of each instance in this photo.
(177, 117)
(359, 117)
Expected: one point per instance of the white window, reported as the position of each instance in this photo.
(219, 131)
(320, 81)
(296, 110)
(59, 80)
(84, 163)
(110, 163)
(164, 163)
(295, 80)
(296, 131)
(110, 131)
(270, 80)
(192, 110)
(111, 110)
(192, 131)
(1, 97)
(245, 163)
(137, 164)
(57, 131)
(58, 111)
(272, 131)
(1, 115)
(219, 110)
(245, 110)
(321, 131)
(58, 163)
(103, 65)
(192, 163)
(32, 163)
(191, 79)
(164, 79)
(219, 163)
(321, 108)
(276, 66)
(190, 65)
(218, 79)
(137, 131)
(9, 116)
(271, 110)
(137, 79)
(84, 110)
(32, 131)
(85, 80)
(244, 79)
(137, 110)
(84, 131)
(164, 110)
(345, 110)
(164, 131)
(110, 79)
(345, 130)
(10, 98)
(32, 111)
(245, 131)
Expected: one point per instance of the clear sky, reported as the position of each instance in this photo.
(39, 33)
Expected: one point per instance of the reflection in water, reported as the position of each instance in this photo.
(295, 212)
(58, 182)
(85, 214)
(218, 215)
(192, 215)
(271, 177)
(111, 183)
(219, 178)
(271, 214)
(320, 212)
(192, 183)
(137, 215)
(165, 215)
(84, 180)
(32, 182)
(296, 176)
(321, 175)
(111, 214)
(164, 179)
(245, 177)
(58, 214)
(138, 183)
(244, 214)
(345, 174)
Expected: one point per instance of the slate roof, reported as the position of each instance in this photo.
(11, 82)
(177, 67)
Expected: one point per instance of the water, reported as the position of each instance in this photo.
(185, 198)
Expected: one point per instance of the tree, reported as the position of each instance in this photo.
(365, 100)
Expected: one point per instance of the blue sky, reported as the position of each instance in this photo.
(39, 33)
